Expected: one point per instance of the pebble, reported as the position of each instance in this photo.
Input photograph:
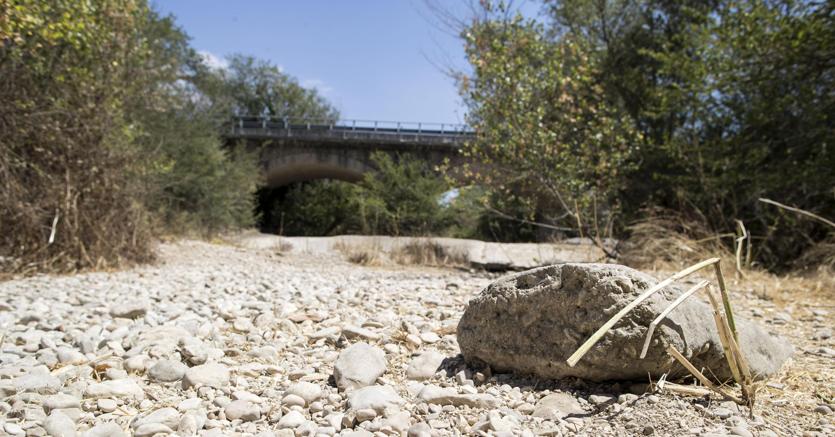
(291, 420)
(129, 310)
(244, 410)
(741, 431)
(106, 405)
(722, 413)
(377, 398)
(167, 371)
(306, 390)
(424, 365)
(120, 388)
(359, 365)
(208, 375)
(57, 424)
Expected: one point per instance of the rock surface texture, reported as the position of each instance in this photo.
(532, 321)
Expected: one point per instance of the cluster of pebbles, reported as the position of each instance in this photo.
(218, 340)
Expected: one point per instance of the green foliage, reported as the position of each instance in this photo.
(249, 86)
(698, 106)
(66, 154)
(112, 130)
(548, 140)
(322, 207)
(401, 198)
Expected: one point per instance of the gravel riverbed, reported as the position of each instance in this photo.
(222, 340)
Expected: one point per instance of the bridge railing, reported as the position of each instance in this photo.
(379, 126)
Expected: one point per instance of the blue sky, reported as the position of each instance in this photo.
(378, 60)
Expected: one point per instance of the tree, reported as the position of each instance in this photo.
(249, 86)
(547, 136)
(66, 156)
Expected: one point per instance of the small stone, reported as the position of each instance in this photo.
(558, 406)
(600, 399)
(291, 420)
(209, 375)
(648, 430)
(376, 397)
(189, 404)
(741, 431)
(13, 428)
(120, 388)
(429, 337)
(822, 334)
(129, 310)
(106, 405)
(292, 400)
(398, 422)
(70, 356)
(627, 397)
(244, 410)
(358, 366)
(167, 416)
(722, 413)
(424, 365)
(365, 414)
(114, 373)
(306, 390)
(59, 425)
(420, 429)
(167, 371)
(37, 382)
(823, 409)
(449, 396)
(61, 401)
(136, 364)
(351, 332)
(107, 429)
(150, 429)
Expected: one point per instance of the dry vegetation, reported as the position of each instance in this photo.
(419, 252)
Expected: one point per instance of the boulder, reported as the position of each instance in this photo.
(532, 321)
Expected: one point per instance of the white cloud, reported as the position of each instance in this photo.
(213, 61)
(319, 84)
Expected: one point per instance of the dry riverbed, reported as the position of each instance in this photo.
(226, 340)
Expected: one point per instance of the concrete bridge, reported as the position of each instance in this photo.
(296, 150)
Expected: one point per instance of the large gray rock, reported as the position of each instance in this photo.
(531, 322)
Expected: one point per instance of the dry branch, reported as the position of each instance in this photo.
(799, 211)
(702, 378)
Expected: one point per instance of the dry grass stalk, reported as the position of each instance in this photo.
(742, 239)
(689, 390)
(726, 302)
(724, 334)
(700, 376)
(584, 348)
(667, 311)
(736, 360)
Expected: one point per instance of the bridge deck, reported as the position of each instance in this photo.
(360, 131)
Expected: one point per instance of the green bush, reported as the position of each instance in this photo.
(401, 198)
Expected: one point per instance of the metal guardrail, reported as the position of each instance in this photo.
(243, 123)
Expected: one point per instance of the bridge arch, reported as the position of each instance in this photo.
(285, 166)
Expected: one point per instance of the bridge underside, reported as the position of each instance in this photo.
(285, 162)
